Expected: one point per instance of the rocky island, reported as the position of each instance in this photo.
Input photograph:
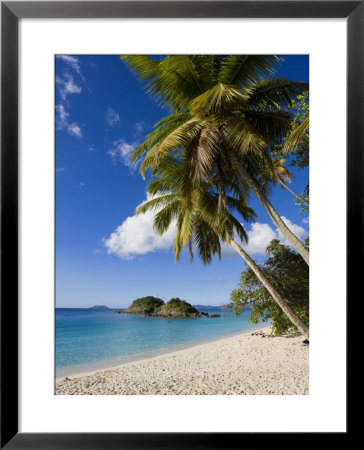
(99, 308)
(151, 306)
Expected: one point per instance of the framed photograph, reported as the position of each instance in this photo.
(166, 169)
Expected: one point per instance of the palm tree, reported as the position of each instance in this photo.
(281, 175)
(223, 110)
(202, 221)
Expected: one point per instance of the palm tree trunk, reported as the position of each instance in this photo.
(276, 218)
(293, 193)
(301, 326)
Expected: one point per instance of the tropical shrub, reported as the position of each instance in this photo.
(289, 274)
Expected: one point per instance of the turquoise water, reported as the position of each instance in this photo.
(89, 340)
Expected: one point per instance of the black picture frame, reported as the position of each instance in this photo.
(11, 12)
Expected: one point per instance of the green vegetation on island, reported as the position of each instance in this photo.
(179, 307)
(144, 305)
(155, 307)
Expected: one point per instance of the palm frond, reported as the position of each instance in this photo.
(144, 67)
(238, 228)
(275, 92)
(251, 164)
(218, 98)
(247, 70)
(296, 136)
(242, 135)
(201, 153)
(187, 226)
(241, 207)
(148, 161)
(163, 219)
(175, 79)
(156, 203)
(206, 241)
(162, 129)
(272, 125)
(177, 247)
(179, 137)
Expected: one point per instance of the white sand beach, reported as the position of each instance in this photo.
(237, 365)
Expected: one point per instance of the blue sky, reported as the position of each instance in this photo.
(104, 254)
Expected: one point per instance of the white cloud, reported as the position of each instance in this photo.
(112, 117)
(139, 128)
(61, 117)
(259, 236)
(67, 85)
(306, 220)
(135, 236)
(60, 169)
(74, 129)
(62, 122)
(121, 151)
(73, 62)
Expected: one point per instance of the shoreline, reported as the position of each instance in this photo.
(160, 353)
(237, 365)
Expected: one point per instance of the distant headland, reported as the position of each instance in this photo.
(175, 308)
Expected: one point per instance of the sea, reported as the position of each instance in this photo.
(88, 339)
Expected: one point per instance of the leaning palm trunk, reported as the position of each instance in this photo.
(276, 218)
(293, 193)
(301, 326)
